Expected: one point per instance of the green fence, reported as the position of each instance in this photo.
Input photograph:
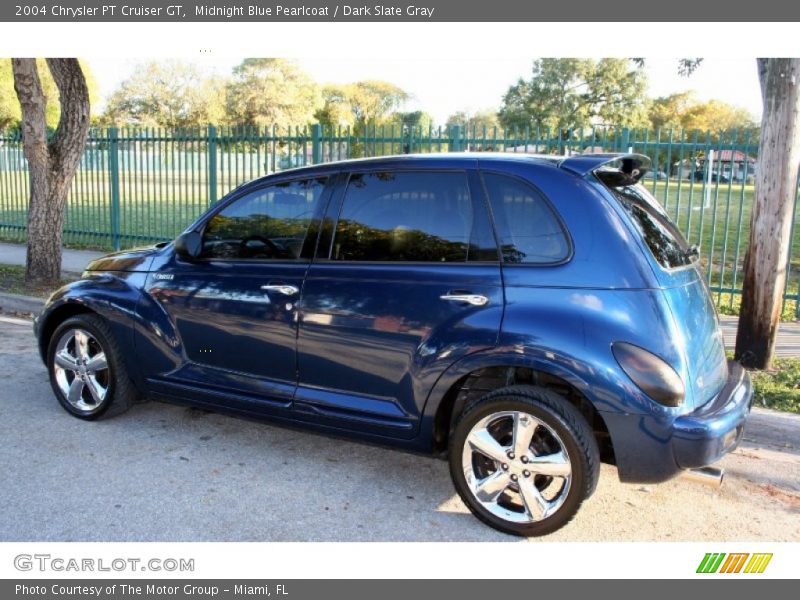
(136, 186)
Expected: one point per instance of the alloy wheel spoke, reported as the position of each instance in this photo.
(490, 488)
(524, 428)
(554, 465)
(482, 441)
(535, 504)
(94, 389)
(81, 345)
(65, 360)
(75, 394)
(97, 363)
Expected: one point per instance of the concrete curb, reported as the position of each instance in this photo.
(19, 303)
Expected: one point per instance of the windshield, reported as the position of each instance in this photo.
(662, 237)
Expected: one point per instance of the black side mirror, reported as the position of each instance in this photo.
(188, 245)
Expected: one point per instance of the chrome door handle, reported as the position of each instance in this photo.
(473, 299)
(286, 290)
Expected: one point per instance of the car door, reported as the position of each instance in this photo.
(406, 282)
(235, 307)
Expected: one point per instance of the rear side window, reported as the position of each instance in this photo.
(422, 216)
(528, 230)
(666, 243)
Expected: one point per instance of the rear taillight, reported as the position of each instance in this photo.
(650, 373)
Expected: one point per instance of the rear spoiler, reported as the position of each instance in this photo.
(627, 169)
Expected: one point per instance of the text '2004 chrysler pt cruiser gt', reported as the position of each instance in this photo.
(525, 317)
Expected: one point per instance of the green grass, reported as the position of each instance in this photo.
(779, 388)
(12, 281)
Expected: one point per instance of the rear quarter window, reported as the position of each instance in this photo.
(662, 237)
(527, 228)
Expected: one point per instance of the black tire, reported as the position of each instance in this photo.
(572, 433)
(120, 392)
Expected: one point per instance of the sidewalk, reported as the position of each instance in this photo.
(71, 260)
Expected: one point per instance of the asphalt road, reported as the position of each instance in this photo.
(166, 473)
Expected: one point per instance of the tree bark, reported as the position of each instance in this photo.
(52, 164)
(771, 221)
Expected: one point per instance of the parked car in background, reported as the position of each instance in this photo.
(657, 175)
(523, 317)
(701, 175)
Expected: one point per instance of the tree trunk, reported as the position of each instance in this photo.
(770, 224)
(52, 164)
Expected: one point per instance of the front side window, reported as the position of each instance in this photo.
(527, 228)
(268, 223)
(411, 216)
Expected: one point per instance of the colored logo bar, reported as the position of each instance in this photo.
(736, 562)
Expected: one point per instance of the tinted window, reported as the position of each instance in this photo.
(411, 216)
(666, 243)
(527, 229)
(269, 223)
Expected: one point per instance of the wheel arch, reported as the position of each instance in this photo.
(54, 317)
(477, 376)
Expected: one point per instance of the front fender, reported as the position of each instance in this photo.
(113, 296)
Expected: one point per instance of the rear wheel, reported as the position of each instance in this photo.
(87, 372)
(523, 459)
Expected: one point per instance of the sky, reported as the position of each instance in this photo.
(442, 86)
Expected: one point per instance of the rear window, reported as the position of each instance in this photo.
(666, 243)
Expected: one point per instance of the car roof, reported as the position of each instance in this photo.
(579, 164)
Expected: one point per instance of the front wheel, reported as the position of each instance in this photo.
(87, 370)
(523, 459)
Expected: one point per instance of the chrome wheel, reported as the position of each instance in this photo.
(516, 467)
(81, 370)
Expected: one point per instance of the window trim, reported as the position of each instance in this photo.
(548, 203)
(314, 227)
(336, 206)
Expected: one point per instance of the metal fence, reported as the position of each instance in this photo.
(136, 186)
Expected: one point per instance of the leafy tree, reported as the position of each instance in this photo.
(52, 160)
(668, 111)
(478, 121)
(568, 93)
(167, 94)
(684, 111)
(417, 119)
(336, 110)
(272, 91)
(360, 104)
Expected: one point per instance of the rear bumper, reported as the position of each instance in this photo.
(706, 435)
(650, 448)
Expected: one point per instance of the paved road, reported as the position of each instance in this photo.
(71, 260)
(166, 473)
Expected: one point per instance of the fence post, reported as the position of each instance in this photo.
(212, 164)
(316, 143)
(113, 178)
(625, 143)
(455, 138)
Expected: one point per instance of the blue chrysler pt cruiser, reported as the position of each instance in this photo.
(525, 317)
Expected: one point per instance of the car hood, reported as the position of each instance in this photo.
(137, 259)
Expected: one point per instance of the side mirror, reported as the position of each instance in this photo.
(189, 245)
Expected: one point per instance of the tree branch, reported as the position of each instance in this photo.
(32, 101)
(73, 126)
